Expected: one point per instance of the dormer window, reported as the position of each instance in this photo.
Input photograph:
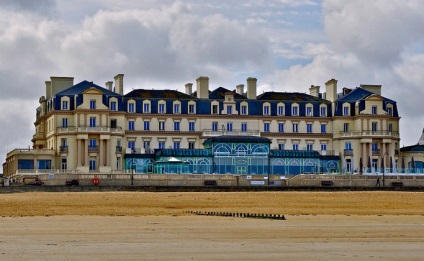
(229, 109)
(146, 107)
(113, 106)
(345, 111)
(323, 111)
(309, 111)
(191, 109)
(176, 108)
(280, 110)
(161, 108)
(390, 111)
(131, 107)
(266, 110)
(92, 104)
(374, 110)
(295, 111)
(65, 105)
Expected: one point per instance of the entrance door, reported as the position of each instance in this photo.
(64, 164)
(240, 170)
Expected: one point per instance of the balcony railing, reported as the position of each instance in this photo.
(63, 148)
(326, 152)
(396, 152)
(117, 130)
(367, 133)
(213, 133)
(118, 149)
(348, 152)
(38, 135)
(93, 148)
(376, 152)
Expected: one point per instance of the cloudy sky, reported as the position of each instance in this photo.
(288, 45)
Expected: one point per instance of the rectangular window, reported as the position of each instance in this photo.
(146, 125)
(280, 110)
(295, 127)
(191, 145)
(214, 126)
(309, 146)
(92, 143)
(309, 127)
(64, 105)
(191, 109)
(131, 144)
(92, 104)
(92, 121)
(146, 145)
(176, 125)
(323, 112)
(346, 127)
(229, 126)
(295, 111)
(113, 106)
(374, 110)
(92, 164)
(309, 111)
(161, 108)
(113, 123)
(146, 108)
(345, 111)
(244, 126)
(244, 110)
(229, 110)
(323, 147)
(323, 128)
(176, 108)
(374, 146)
(280, 127)
(266, 127)
(191, 125)
(64, 123)
(389, 112)
(348, 146)
(281, 146)
(131, 107)
(374, 126)
(214, 109)
(390, 127)
(266, 110)
(176, 144)
(295, 146)
(161, 125)
(131, 125)
(161, 144)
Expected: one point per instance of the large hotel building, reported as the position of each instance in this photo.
(83, 128)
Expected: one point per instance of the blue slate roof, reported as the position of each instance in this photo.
(358, 94)
(82, 86)
(158, 94)
(412, 148)
(219, 93)
(289, 96)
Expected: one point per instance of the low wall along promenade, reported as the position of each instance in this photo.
(213, 180)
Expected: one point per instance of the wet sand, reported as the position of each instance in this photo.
(172, 234)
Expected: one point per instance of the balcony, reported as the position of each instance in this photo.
(367, 134)
(38, 135)
(396, 152)
(348, 152)
(93, 148)
(118, 149)
(234, 132)
(69, 130)
(327, 152)
(376, 152)
(63, 149)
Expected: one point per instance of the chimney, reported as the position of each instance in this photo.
(189, 88)
(240, 89)
(48, 90)
(372, 88)
(59, 84)
(202, 87)
(119, 84)
(331, 90)
(109, 85)
(251, 88)
(314, 91)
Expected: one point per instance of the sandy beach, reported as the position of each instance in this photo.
(155, 226)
